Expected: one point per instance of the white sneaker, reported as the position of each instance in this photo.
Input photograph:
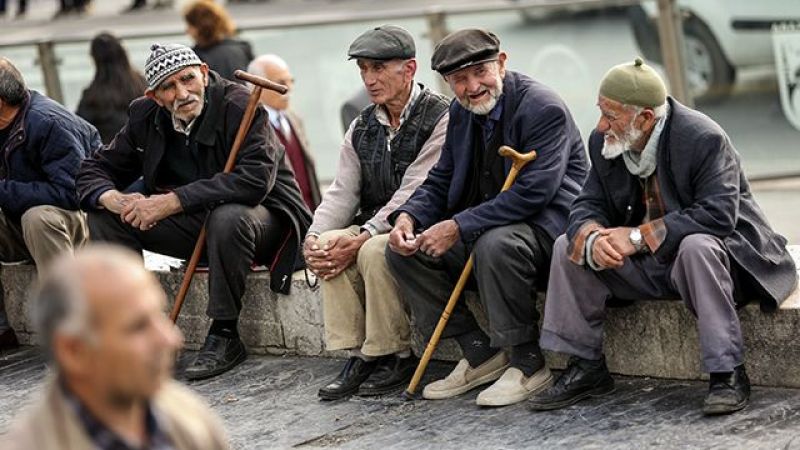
(514, 387)
(464, 378)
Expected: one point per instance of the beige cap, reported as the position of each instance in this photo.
(634, 84)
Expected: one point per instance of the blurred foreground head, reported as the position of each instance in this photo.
(100, 315)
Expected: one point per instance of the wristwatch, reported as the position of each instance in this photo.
(636, 239)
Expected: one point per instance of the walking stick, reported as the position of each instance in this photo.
(247, 120)
(519, 161)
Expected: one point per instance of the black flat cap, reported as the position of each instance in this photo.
(464, 48)
(383, 43)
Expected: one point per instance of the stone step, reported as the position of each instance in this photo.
(649, 338)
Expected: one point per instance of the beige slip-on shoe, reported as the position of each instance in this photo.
(463, 378)
(514, 387)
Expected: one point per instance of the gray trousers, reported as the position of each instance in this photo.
(700, 275)
(508, 262)
(237, 236)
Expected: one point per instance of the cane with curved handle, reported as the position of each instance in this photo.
(518, 162)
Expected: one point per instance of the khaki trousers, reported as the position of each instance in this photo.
(43, 233)
(362, 306)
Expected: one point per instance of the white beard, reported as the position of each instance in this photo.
(486, 107)
(612, 150)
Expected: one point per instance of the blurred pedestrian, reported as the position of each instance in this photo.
(139, 5)
(111, 350)
(67, 7)
(212, 30)
(22, 8)
(105, 102)
(288, 126)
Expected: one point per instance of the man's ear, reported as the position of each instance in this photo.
(72, 354)
(649, 118)
(411, 68)
(204, 71)
(152, 94)
(501, 63)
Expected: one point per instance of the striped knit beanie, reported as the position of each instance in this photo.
(164, 60)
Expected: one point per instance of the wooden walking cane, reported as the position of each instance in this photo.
(247, 120)
(519, 161)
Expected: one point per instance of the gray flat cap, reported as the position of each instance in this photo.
(383, 43)
(464, 48)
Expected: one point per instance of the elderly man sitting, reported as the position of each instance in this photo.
(177, 140)
(666, 212)
(387, 152)
(459, 209)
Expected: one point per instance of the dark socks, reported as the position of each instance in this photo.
(527, 357)
(225, 328)
(476, 348)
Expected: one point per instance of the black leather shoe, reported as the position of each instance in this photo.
(727, 392)
(8, 339)
(390, 376)
(583, 378)
(219, 354)
(355, 371)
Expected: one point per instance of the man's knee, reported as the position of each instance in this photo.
(228, 218)
(499, 243)
(699, 247)
(43, 219)
(374, 250)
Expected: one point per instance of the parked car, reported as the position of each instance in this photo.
(721, 37)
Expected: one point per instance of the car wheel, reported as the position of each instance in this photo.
(709, 74)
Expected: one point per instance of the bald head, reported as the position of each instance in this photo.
(273, 68)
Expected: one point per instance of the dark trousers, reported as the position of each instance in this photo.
(237, 236)
(509, 261)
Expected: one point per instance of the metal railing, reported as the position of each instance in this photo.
(669, 29)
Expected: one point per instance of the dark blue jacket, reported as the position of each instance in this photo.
(43, 153)
(535, 119)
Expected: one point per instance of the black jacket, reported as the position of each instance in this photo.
(259, 177)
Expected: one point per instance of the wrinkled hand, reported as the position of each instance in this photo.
(145, 213)
(335, 256)
(314, 255)
(115, 201)
(612, 247)
(438, 239)
(401, 239)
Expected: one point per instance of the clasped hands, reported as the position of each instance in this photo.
(612, 246)
(139, 211)
(435, 241)
(329, 260)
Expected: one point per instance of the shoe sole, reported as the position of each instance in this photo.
(385, 390)
(599, 391)
(339, 396)
(450, 393)
(541, 382)
(721, 410)
(204, 376)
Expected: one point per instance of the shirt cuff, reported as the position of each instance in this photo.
(577, 247)
(654, 234)
(369, 229)
(589, 251)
